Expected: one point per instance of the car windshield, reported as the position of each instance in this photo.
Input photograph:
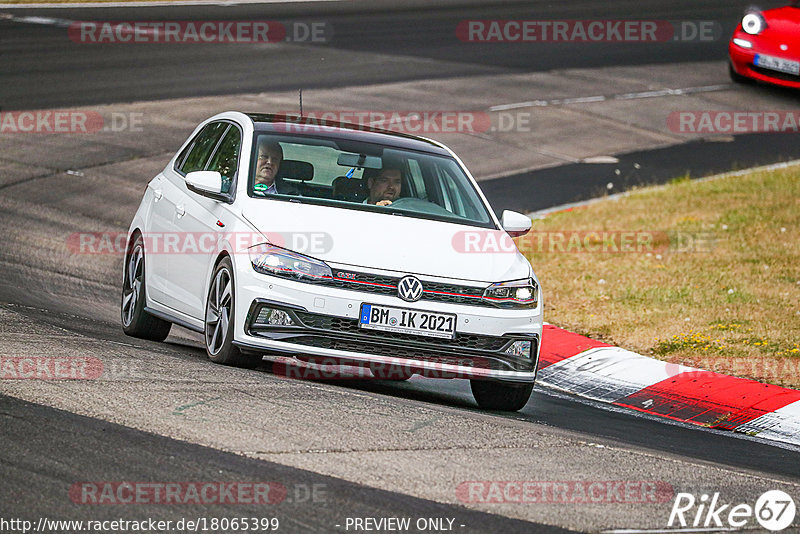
(364, 176)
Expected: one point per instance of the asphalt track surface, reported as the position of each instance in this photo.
(40, 67)
(45, 450)
(51, 441)
(544, 188)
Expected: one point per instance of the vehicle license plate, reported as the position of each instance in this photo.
(406, 321)
(779, 64)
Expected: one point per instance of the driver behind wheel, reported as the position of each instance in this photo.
(386, 184)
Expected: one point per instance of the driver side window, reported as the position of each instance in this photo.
(226, 159)
(197, 153)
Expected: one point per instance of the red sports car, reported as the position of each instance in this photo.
(766, 46)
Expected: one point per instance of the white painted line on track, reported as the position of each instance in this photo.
(673, 92)
(45, 21)
(604, 98)
(600, 160)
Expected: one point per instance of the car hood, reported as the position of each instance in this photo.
(397, 243)
(785, 14)
(783, 22)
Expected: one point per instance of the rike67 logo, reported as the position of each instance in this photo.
(774, 510)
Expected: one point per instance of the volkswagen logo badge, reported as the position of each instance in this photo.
(409, 289)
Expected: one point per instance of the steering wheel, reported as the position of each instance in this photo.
(419, 205)
(402, 200)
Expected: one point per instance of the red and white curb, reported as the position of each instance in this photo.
(582, 366)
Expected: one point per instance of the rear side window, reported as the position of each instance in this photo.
(226, 159)
(196, 154)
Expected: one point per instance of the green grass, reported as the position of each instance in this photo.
(719, 289)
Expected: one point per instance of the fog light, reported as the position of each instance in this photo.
(273, 317)
(742, 42)
(519, 349)
(524, 293)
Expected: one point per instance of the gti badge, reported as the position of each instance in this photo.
(409, 289)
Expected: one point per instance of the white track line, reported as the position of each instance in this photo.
(603, 98)
(45, 21)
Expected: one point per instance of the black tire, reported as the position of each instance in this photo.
(738, 78)
(218, 331)
(136, 322)
(501, 396)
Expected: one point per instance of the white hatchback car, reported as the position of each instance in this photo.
(274, 236)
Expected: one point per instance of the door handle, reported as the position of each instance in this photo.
(180, 210)
(157, 194)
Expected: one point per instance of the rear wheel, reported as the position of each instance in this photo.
(136, 322)
(219, 321)
(502, 396)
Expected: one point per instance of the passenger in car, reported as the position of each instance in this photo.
(385, 186)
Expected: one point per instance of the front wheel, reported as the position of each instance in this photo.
(501, 396)
(219, 320)
(736, 77)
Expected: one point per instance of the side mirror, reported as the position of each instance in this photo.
(516, 224)
(206, 183)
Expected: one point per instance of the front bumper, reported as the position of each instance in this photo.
(742, 62)
(325, 326)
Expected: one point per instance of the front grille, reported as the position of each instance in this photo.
(778, 75)
(387, 285)
(342, 325)
(326, 331)
(432, 356)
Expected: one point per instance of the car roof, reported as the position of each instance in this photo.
(317, 127)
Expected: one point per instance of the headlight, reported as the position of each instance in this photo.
(516, 294)
(753, 23)
(268, 259)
